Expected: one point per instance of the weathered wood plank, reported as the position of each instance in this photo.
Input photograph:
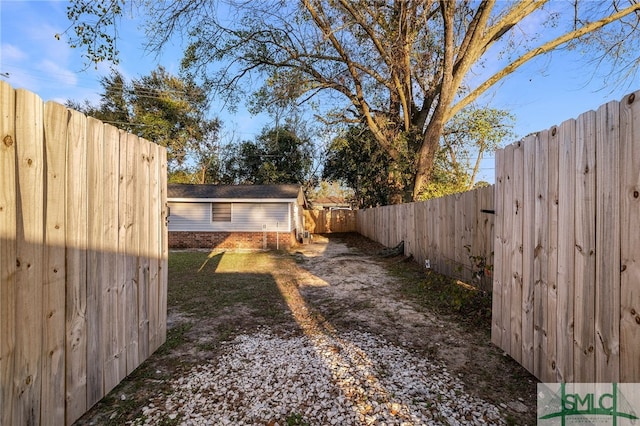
(95, 258)
(528, 246)
(29, 274)
(142, 218)
(450, 234)
(607, 312)
(474, 229)
(122, 259)
(541, 247)
(114, 372)
(630, 239)
(485, 231)
(552, 255)
(54, 285)
(8, 237)
(433, 212)
(458, 237)
(498, 282)
(410, 230)
(131, 239)
(76, 234)
(515, 250)
(566, 247)
(422, 233)
(164, 264)
(584, 254)
(154, 245)
(507, 235)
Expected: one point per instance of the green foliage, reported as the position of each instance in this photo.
(356, 159)
(276, 156)
(330, 189)
(296, 419)
(447, 177)
(98, 36)
(165, 109)
(472, 133)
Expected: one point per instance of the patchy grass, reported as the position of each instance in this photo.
(444, 295)
(202, 284)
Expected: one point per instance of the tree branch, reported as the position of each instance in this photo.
(545, 48)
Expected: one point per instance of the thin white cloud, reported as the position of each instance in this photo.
(57, 73)
(9, 52)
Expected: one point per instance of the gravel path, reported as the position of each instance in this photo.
(323, 379)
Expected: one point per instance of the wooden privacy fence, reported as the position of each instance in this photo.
(325, 221)
(83, 258)
(566, 298)
(454, 233)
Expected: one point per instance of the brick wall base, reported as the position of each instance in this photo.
(231, 240)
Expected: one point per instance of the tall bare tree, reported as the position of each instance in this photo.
(403, 68)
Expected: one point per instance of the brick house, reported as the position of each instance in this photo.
(235, 216)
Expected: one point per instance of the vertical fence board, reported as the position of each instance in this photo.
(410, 230)
(552, 254)
(585, 268)
(154, 246)
(142, 219)
(507, 235)
(541, 240)
(450, 233)
(112, 374)
(132, 204)
(95, 259)
(422, 232)
(7, 251)
(485, 234)
(515, 250)
(164, 264)
(630, 239)
(607, 310)
(76, 242)
(433, 211)
(566, 247)
(29, 250)
(122, 261)
(496, 295)
(53, 368)
(528, 245)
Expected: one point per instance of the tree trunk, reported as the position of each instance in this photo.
(427, 154)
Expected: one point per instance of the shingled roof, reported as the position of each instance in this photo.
(289, 191)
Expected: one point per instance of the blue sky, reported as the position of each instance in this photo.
(543, 93)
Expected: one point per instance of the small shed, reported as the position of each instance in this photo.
(235, 216)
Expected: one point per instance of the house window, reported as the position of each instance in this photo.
(221, 212)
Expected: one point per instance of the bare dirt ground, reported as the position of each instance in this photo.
(358, 291)
(334, 285)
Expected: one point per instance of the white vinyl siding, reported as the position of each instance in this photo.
(248, 217)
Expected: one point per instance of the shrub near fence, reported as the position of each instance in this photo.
(566, 298)
(454, 233)
(83, 258)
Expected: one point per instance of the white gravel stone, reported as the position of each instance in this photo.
(349, 379)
